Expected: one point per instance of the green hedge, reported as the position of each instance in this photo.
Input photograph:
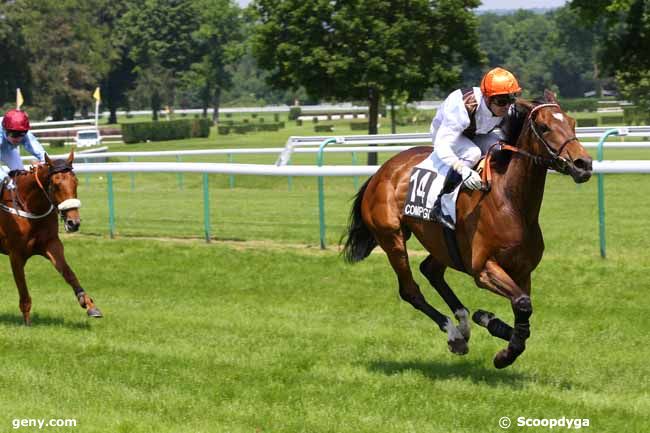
(165, 130)
(579, 104)
(587, 122)
(323, 128)
(635, 116)
(244, 128)
(294, 113)
(359, 126)
(612, 120)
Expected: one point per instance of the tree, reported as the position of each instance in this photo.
(159, 36)
(67, 51)
(365, 49)
(120, 77)
(625, 45)
(219, 38)
(14, 65)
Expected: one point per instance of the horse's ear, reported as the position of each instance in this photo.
(48, 161)
(70, 157)
(550, 96)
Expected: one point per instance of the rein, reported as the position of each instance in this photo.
(555, 158)
(24, 214)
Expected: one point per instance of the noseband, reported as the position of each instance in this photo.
(71, 203)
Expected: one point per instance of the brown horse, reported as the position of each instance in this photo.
(29, 224)
(498, 240)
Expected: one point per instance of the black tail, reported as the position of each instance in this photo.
(360, 241)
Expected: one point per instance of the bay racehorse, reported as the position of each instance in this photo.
(498, 240)
(29, 224)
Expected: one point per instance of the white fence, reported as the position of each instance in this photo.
(605, 167)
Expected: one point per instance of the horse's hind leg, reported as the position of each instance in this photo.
(435, 273)
(495, 326)
(25, 302)
(54, 252)
(395, 247)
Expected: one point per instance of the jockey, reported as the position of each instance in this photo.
(463, 131)
(15, 131)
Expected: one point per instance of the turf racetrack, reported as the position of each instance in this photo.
(270, 334)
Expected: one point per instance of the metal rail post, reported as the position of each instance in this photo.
(206, 207)
(321, 187)
(180, 175)
(601, 187)
(111, 206)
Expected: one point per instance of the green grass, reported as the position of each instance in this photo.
(262, 331)
(241, 338)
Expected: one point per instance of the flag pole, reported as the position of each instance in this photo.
(19, 98)
(98, 99)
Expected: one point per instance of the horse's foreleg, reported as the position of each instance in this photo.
(25, 302)
(54, 252)
(435, 274)
(496, 279)
(395, 247)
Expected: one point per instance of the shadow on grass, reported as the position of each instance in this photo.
(474, 371)
(42, 320)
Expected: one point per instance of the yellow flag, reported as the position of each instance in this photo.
(97, 95)
(19, 98)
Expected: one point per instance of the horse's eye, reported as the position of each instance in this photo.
(543, 128)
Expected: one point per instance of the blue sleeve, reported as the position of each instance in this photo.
(33, 146)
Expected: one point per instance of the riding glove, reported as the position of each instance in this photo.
(471, 179)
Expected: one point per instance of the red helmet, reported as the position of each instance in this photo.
(498, 81)
(15, 120)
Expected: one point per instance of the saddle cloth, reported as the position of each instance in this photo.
(425, 185)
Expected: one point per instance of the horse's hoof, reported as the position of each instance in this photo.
(94, 312)
(503, 359)
(458, 346)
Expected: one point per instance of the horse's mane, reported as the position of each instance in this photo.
(512, 127)
(516, 118)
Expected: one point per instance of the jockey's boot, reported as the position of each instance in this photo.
(452, 180)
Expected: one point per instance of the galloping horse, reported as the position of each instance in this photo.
(29, 224)
(498, 239)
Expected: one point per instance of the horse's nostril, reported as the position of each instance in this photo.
(583, 164)
(72, 225)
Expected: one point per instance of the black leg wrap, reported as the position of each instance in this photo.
(522, 308)
(495, 326)
(518, 341)
(498, 328)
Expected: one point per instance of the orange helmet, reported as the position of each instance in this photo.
(498, 81)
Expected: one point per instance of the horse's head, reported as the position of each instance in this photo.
(554, 134)
(61, 188)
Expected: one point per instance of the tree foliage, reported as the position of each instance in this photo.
(365, 49)
(159, 36)
(551, 50)
(67, 51)
(219, 37)
(625, 45)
